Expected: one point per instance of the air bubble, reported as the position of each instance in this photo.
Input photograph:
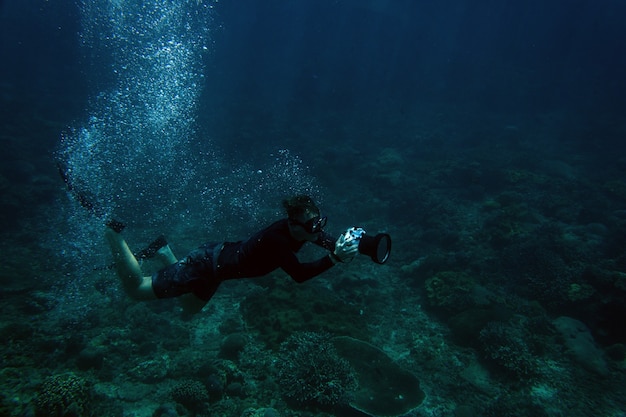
(138, 156)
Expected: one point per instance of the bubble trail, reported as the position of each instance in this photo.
(135, 148)
(137, 156)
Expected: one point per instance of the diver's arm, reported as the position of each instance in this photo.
(304, 271)
(339, 252)
(326, 241)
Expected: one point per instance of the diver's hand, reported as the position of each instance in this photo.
(345, 251)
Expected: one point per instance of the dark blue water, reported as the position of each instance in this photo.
(487, 139)
(518, 61)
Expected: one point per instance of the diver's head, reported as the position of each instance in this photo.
(305, 222)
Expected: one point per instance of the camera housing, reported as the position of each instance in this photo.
(377, 247)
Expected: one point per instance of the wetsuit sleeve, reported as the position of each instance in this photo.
(301, 272)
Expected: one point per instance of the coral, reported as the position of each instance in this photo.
(286, 308)
(390, 157)
(449, 290)
(540, 271)
(615, 188)
(384, 387)
(513, 405)
(506, 346)
(260, 412)
(520, 176)
(150, 371)
(507, 224)
(311, 372)
(620, 280)
(90, 358)
(580, 343)
(579, 292)
(232, 345)
(466, 325)
(191, 394)
(64, 395)
(616, 352)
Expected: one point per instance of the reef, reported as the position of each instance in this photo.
(67, 395)
(310, 371)
(279, 312)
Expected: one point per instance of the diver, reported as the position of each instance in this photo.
(197, 276)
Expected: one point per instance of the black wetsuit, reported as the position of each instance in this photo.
(205, 268)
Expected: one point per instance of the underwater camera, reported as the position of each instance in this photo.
(376, 247)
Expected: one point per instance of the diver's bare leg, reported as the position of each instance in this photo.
(166, 256)
(135, 284)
